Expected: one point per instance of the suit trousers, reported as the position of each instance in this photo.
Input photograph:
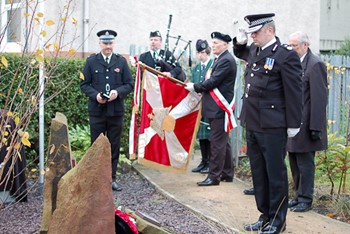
(205, 150)
(221, 160)
(302, 166)
(266, 153)
(110, 126)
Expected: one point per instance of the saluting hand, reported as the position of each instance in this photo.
(242, 36)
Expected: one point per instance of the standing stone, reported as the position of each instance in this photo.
(59, 162)
(85, 198)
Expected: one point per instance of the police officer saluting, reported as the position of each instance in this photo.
(107, 81)
(271, 112)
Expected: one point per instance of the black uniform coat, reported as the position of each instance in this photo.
(147, 59)
(198, 75)
(273, 97)
(315, 97)
(102, 77)
(223, 77)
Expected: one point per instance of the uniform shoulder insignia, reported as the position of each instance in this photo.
(287, 47)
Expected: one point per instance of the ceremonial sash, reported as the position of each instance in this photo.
(220, 100)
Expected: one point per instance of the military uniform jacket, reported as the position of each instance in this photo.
(273, 89)
(315, 99)
(147, 59)
(198, 75)
(223, 77)
(102, 77)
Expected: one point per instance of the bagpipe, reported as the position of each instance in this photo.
(165, 64)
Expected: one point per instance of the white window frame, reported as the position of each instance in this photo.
(6, 46)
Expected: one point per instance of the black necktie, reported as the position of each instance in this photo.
(154, 56)
(107, 60)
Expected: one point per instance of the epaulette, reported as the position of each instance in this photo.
(287, 47)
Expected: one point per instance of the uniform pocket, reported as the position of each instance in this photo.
(272, 114)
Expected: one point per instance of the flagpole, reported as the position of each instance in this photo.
(41, 104)
(144, 66)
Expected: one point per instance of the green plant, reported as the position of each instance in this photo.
(80, 141)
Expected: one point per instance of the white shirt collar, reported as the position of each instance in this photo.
(269, 43)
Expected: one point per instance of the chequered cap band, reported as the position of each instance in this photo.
(260, 21)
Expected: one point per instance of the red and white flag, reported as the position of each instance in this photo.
(170, 117)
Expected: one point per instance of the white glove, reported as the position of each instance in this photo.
(291, 132)
(113, 95)
(242, 37)
(189, 87)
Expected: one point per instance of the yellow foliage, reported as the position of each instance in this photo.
(9, 114)
(56, 46)
(25, 142)
(20, 90)
(17, 120)
(49, 22)
(71, 51)
(75, 21)
(40, 14)
(43, 33)
(39, 58)
(26, 14)
(4, 61)
(52, 149)
(33, 170)
(39, 51)
(5, 133)
(48, 46)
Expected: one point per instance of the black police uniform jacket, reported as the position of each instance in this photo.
(102, 77)
(273, 88)
(175, 68)
(223, 77)
(315, 97)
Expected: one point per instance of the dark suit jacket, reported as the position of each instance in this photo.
(223, 77)
(315, 100)
(273, 88)
(102, 77)
(147, 59)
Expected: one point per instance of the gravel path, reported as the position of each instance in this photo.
(137, 195)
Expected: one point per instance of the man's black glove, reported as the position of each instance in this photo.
(316, 135)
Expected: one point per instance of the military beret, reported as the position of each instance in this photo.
(223, 37)
(256, 22)
(107, 35)
(201, 45)
(155, 34)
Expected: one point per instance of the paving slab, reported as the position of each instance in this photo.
(226, 204)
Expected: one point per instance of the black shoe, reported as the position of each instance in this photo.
(270, 229)
(249, 191)
(255, 226)
(227, 179)
(116, 186)
(301, 207)
(292, 203)
(199, 167)
(205, 170)
(208, 182)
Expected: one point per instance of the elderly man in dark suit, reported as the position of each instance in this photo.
(313, 132)
(107, 81)
(163, 61)
(271, 112)
(220, 79)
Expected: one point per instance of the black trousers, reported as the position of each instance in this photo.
(266, 154)
(302, 166)
(110, 126)
(221, 160)
(205, 150)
